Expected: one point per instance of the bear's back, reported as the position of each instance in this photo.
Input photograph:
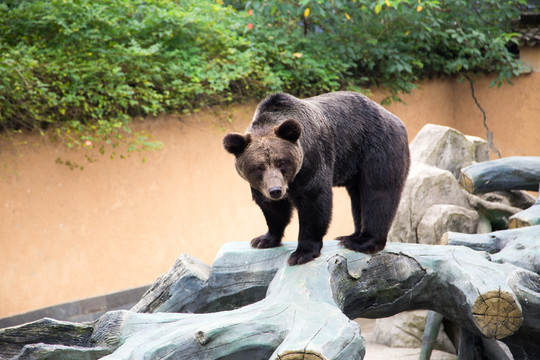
(341, 127)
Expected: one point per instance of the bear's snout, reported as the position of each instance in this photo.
(274, 186)
(275, 192)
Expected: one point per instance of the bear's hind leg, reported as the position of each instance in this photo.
(277, 215)
(378, 210)
(363, 243)
(356, 206)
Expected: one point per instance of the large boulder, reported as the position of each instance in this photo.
(432, 195)
(426, 186)
(448, 149)
(441, 218)
(405, 330)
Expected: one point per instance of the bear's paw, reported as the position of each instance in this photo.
(266, 241)
(362, 243)
(300, 257)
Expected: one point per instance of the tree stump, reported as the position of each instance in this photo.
(305, 311)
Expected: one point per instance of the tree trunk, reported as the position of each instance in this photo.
(519, 247)
(495, 241)
(515, 172)
(306, 311)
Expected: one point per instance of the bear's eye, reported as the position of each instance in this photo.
(281, 164)
(259, 168)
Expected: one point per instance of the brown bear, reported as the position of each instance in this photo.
(295, 150)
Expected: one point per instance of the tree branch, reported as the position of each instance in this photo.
(489, 133)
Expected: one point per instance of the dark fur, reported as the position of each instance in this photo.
(346, 140)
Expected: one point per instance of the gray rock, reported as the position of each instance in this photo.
(438, 154)
(441, 218)
(447, 148)
(481, 148)
(405, 330)
(426, 186)
(484, 225)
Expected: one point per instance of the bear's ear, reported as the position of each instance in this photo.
(236, 143)
(289, 130)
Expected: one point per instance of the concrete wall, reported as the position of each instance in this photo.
(71, 234)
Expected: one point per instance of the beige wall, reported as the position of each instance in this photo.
(70, 234)
(512, 111)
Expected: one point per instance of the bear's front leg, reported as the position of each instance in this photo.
(314, 214)
(277, 214)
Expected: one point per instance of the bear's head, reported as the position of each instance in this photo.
(268, 160)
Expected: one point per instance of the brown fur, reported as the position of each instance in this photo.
(269, 161)
(295, 150)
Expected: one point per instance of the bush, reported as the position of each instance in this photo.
(86, 68)
(384, 43)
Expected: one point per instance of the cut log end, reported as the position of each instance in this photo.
(515, 223)
(466, 183)
(497, 314)
(300, 355)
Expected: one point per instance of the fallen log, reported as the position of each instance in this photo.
(528, 217)
(516, 198)
(306, 311)
(519, 247)
(511, 173)
(492, 242)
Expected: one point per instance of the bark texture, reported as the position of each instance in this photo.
(298, 312)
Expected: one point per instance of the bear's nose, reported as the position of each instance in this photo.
(275, 192)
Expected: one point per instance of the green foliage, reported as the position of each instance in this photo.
(385, 43)
(86, 68)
